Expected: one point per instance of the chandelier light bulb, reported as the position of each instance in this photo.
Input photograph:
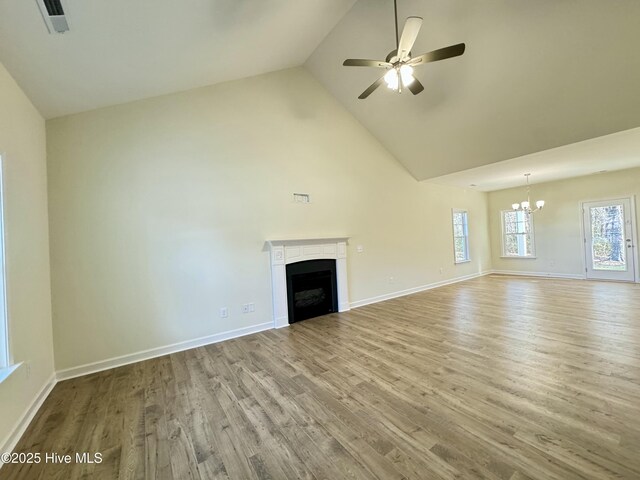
(525, 205)
(540, 204)
(391, 78)
(515, 206)
(406, 73)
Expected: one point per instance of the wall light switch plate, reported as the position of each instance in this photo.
(224, 312)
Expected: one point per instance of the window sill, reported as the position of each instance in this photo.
(528, 257)
(7, 371)
(462, 261)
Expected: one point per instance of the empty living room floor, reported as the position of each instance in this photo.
(497, 377)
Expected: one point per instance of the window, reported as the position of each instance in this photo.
(517, 234)
(4, 340)
(460, 236)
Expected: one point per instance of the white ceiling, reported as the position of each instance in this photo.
(617, 151)
(123, 50)
(535, 75)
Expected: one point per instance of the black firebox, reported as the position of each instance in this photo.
(312, 289)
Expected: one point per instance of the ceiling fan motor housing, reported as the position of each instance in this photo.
(392, 53)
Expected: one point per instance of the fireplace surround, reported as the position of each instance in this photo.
(285, 252)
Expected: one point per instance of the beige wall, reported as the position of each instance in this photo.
(22, 145)
(160, 210)
(559, 242)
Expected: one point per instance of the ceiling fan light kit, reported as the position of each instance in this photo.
(399, 62)
(396, 78)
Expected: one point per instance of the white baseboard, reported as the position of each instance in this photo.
(219, 337)
(23, 422)
(422, 288)
(571, 276)
(159, 351)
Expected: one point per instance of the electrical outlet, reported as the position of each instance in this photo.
(224, 312)
(248, 307)
(359, 249)
(392, 280)
(441, 270)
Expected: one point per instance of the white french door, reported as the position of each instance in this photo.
(609, 239)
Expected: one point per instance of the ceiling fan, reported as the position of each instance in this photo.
(399, 63)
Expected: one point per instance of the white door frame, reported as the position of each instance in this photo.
(634, 231)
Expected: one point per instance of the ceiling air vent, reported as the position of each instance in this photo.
(53, 15)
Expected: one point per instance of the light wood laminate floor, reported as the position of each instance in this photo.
(497, 377)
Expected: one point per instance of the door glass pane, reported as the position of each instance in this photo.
(607, 238)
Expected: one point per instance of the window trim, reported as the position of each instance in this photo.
(503, 235)
(5, 357)
(467, 258)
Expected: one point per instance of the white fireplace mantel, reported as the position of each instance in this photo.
(292, 250)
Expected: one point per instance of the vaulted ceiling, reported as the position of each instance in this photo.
(122, 50)
(536, 74)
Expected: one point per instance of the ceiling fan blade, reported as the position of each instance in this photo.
(440, 54)
(408, 37)
(358, 62)
(415, 86)
(371, 88)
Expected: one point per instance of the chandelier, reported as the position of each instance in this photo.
(526, 204)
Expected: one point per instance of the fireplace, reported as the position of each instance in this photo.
(315, 296)
(312, 289)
